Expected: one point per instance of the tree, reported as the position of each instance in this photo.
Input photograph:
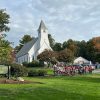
(4, 20)
(93, 49)
(65, 55)
(5, 51)
(57, 47)
(46, 56)
(51, 40)
(72, 45)
(24, 40)
(5, 48)
(82, 49)
(64, 45)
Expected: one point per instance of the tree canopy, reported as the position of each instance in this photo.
(4, 21)
(6, 51)
(93, 49)
(26, 38)
(51, 40)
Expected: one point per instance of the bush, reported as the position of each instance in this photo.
(42, 72)
(37, 73)
(18, 70)
(25, 64)
(32, 73)
(3, 75)
(33, 64)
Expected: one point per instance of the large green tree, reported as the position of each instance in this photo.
(51, 40)
(5, 48)
(72, 45)
(93, 49)
(82, 45)
(26, 38)
(5, 52)
(4, 20)
(57, 47)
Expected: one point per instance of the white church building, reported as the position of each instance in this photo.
(32, 49)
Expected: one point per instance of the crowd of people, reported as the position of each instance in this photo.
(72, 69)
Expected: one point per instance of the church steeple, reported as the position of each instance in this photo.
(42, 27)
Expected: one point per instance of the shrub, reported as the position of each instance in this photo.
(18, 70)
(37, 73)
(25, 64)
(32, 73)
(2, 75)
(34, 63)
(42, 72)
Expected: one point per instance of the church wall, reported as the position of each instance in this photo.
(23, 58)
(32, 52)
(43, 47)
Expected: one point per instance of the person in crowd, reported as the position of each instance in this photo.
(55, 69)
(71, 69)
(90, 70)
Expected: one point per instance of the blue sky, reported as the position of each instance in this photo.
(75, 19)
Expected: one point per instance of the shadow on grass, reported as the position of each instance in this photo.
(60, 94)
(45, 93)
(5, 93)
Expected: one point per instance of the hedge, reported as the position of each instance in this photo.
(37, 73)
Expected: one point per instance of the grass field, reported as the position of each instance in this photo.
(54, 88)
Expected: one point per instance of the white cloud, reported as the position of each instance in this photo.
(76, 19)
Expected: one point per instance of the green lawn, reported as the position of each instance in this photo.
(54, 88)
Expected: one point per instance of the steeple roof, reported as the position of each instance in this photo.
(42, 26)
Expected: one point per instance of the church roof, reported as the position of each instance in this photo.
(24, 50)
(42, 26)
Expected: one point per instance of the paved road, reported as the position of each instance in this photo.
(96, 71)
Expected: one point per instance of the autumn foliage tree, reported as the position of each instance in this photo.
(93, 49)
(65, 55)
(96, 44)
(46, 56)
